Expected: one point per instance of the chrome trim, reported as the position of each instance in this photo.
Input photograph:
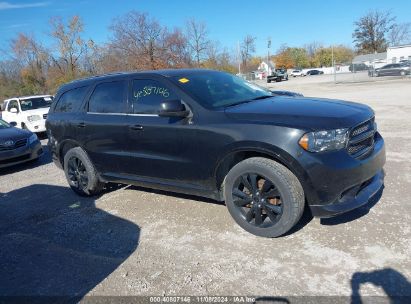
(124, 114)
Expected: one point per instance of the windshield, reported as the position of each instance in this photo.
(3, 124)
(35, 103)
(218, 90)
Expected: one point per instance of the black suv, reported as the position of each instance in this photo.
(211, 134)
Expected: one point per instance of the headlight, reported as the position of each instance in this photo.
(320, 141)
(32, 118)
(33, 138)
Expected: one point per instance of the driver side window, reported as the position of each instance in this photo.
(147, 95)
(13, 104)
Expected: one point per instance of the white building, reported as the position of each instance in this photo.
(399, 53)
(376, 60)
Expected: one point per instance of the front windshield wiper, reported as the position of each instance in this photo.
(248, 100)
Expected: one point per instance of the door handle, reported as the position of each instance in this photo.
(81, 125)
(136, 127)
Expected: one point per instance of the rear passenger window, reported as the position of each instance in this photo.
(108, 97)
(148, 95)
(71, 100)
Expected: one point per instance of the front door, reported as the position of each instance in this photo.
(159, 147)
(10, 115)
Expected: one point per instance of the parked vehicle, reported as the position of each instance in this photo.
(314, 72)
(274, 77)
(28, 112)
(282, 73)
(296, 73)
(357, 67)
(214, 135)
(17, 146)
(393, 69)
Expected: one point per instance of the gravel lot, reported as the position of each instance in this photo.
(133, 241)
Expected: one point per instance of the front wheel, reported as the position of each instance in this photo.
(263, 197)
(80, 173)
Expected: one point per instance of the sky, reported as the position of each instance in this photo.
(290, 22)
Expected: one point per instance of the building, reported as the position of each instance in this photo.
(399, 53)
(376, 60)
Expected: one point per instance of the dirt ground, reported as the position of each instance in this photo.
(133, 241)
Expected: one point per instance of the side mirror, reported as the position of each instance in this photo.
(173, 108)
(13, 123)
(13, 110)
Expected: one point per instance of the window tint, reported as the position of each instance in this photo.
(71, 100)
(13, 104)
(108, 97)
(216, 89)
(148, 95)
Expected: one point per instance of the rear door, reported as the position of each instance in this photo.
(103, 127)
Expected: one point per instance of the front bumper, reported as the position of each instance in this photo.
(21, 155)
(37, 126)
(353, 198)
(336, 182)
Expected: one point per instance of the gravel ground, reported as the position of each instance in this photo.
(133, 241)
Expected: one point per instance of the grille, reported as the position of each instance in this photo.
(15, 159)
(355, 148)
(362, 139)
(18, 144)
(45, 116)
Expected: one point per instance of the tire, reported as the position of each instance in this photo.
(268, 81)
(275, 208)
(81, 174)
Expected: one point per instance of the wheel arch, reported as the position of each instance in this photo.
(64, 147)
(234, 156)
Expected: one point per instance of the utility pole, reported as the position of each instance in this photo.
(268, 53)
(333, 64)
(239, 58)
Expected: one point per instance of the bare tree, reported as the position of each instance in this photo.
(33, 60)
(400, 34)
(370, 31)
(247, 48)
(197, 38)
(69, 43)
(140, 38)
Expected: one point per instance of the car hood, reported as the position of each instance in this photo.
(302, 112)
(13, 134)
(39, 111)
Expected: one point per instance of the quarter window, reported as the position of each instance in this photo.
(71, 100)
(108, 97)
(148, 95)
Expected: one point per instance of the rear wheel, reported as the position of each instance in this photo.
(263, 197)
(81, 174)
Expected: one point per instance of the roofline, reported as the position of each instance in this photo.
(28, 96)
(399, 46)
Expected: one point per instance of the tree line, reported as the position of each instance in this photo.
(139, 42)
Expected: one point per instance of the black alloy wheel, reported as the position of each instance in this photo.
(77, 173)
(257, 200)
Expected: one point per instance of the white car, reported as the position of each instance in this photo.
(296, 73)
(29, 112)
